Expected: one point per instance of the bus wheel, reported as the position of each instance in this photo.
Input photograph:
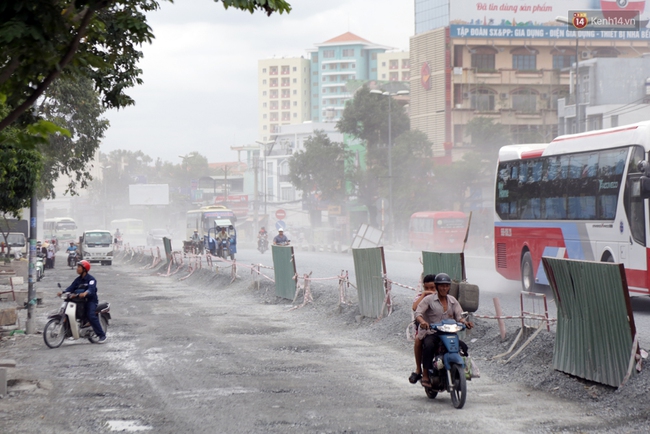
(527, 273)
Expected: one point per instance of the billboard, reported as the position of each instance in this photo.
(149, 194)
(532, 13)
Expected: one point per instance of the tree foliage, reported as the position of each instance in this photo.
(324, 167)
(71, 104)
(98, 39)
(488, 136)
(366, 117)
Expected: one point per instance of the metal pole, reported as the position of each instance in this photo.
(256, 228)
(390, 171)
(264, 180)
(578, 121)
(31, 291)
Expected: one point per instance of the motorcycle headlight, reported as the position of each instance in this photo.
(449, 328)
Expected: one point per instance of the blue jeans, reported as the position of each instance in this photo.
(93, 319)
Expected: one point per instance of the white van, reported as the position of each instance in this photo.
(97, 246)
(18, 243)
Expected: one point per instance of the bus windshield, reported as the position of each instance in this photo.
(61, 226)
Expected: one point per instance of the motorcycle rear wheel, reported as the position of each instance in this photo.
(54, 333)
(458, 386)
(431, 393)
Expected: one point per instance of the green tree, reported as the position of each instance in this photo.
(488, 136)
(98, 39)
(366, 117)
(74, 105)
(324, 167)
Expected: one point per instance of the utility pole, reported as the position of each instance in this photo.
(225, 186)
(256, 228)
(31, 291)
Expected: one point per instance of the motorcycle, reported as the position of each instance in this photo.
(224, 249)
(40, 267)
(448, 373)
(263, 244)
(73, 257)
(65, 324)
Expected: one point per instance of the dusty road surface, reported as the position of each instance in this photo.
(207, 356)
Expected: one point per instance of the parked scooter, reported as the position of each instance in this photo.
(65, 324)
(448, 373)
(40, 267)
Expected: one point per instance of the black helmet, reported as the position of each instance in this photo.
(442, 278)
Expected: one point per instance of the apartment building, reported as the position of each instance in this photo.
(394, 66)
(283, 94)
(334, 63)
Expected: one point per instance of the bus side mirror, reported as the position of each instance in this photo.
(644, 182)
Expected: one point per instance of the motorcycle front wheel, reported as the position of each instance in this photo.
(458, 386)
(54, 333)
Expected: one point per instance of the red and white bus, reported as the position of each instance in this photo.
(578, 197)
(437, 231)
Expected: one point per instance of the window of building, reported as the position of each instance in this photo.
(295, 80)
(315, 84)
(264, 127)
(274, 93)
(406, 63)
(383, 63)
(273, 82)
(286, 105)
(373, 69)
(295, 69)
(274, 105)
(393, 76)
(393, 64)
(406, 75)
(315, 73)
(314, 57)
(286, 116)
(295, 92)
(286, 81)
(263, 70)
(563, 58)
(287, 194)
(524, 100)
(373, 56)
(274, 116)
(606, 52)
(273, 70)
(263, 81)
(383, 76)
(263, 93)
(295, 115)
(524, 59)
(286, 93)
(483, 58)
(295, 103)
(483, 100)
(264, 116)
(324, 66)
(285, 69)
(348, 52)
(328, 54)
(264, 104)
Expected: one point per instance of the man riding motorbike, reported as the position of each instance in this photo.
(221, 238)
(280, 239)
(72, 253)
(262, 237)
(85, 287)
(433, 309)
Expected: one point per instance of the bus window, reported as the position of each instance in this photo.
(607, 206)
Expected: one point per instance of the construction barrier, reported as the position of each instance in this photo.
(596, 337)
(450, 263)
(370, 270)
(284, 267)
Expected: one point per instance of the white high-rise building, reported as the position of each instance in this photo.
(283, 94)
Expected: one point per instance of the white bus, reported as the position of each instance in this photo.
(579, 197)
(62, 229)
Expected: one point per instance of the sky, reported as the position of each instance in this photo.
(200, 73)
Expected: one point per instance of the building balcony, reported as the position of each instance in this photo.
(497, 77)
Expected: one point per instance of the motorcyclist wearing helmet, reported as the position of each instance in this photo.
(85, 287)
(433, 309)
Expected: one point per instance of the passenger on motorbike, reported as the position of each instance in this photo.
(433, 309)
(280, 239)
(429, 287)
(85, 287)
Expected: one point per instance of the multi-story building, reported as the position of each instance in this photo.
(283, 94)
(469, 59)
(394, 66)
(334, 63)
(605, 98)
